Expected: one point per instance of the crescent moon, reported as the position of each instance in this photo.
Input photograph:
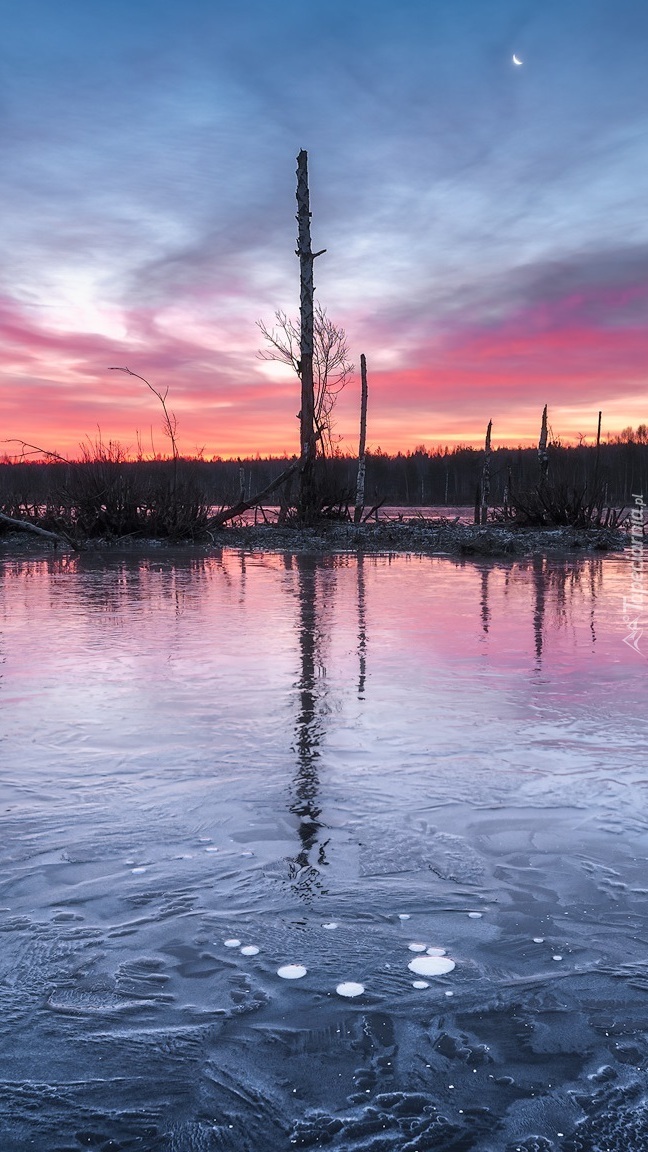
(516, 61)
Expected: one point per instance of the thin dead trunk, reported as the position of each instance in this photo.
(362, 456)
(598, 453)
(543, 455)
(485, 480)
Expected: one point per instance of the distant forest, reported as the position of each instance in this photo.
(447, 476)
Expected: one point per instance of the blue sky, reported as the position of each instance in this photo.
(485, 224)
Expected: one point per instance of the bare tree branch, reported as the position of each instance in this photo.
(169, 423)
(331, 365)
(35, 450)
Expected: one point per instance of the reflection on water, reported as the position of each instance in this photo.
(327, 759)
(309, 729)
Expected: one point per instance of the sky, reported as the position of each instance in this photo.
(485, 224)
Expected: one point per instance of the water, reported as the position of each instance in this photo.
(460, 512)
(216, 766)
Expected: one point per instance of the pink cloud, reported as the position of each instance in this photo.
(577, 351)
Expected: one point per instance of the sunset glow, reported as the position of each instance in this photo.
(486, 240)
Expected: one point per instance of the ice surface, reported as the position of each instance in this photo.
(446, 735)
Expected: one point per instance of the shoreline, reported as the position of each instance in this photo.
(423, 537)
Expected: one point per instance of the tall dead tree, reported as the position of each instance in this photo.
(543, 455)
(362, 455)
(598, 453)
(486, 474)
(308, 441)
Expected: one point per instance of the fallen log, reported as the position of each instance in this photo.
(27, 526)
(245, 505)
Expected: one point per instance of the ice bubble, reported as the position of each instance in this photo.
(403, 915)
(249, 950)
(232, 943)
(449, 993)
(538, 939)
(416, 947)
(136, 871)
(431, 965)
(435, 951)
(291, 971)
(475, 915)
(349, 989)
(420, 984)
(211, 848)
(556, 957)
(330, 925)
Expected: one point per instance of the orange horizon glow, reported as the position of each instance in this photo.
(57, 390)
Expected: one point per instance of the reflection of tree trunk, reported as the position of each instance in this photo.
(594, 565)
(539, 609)
(485, 607)
(308, 732)
(362, 627)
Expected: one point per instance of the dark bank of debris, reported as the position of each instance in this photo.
(428, 537)
(408, 535)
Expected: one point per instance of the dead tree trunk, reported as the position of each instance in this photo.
(543, 455)
(362, 455)
(597, 456)
(486, 473)
(308, 442)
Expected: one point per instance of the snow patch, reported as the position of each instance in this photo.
(431, 965)
(291, 971)
(350, 989)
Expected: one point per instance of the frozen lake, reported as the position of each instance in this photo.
(329, 761)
